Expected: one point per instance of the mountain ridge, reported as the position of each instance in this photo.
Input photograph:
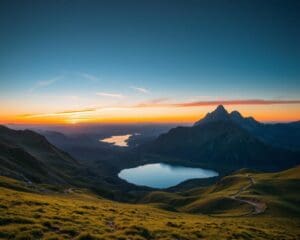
(221, 142)
(221, 114)
(282, 135)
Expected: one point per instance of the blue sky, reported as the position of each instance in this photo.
(177, 50)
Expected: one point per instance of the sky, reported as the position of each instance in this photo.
(84, 61)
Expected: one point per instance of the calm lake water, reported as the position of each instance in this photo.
(117, 140)
(160, 175)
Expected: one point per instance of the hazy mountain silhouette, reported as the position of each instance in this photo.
(283, 135)
(222, 140)
(221, 114)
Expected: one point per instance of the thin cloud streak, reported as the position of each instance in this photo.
(162, 103)
(140, 89)
(89, 77)
(153, 102)
(45, 83)
(67, 112)
(112, 95)
(236, 102)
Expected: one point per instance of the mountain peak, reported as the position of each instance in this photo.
(220, 109)
(236, 115)
(219, 114)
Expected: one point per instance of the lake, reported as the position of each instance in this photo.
(120, 140)
(160, 175)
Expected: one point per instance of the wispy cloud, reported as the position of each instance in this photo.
(78, 111)
(112, 95)
(89, 77)
(140, 89)
(163, 102)
(153, 102)
(159, 102)
(45, 83)
(67, 112)
(236, 102)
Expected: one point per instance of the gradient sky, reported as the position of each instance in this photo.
(148, 61)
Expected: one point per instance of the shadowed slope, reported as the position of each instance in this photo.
(29, 156)
(283, 135)
(221, 145)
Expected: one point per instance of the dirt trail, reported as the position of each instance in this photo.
(258, 207)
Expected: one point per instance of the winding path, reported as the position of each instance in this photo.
(258, 207)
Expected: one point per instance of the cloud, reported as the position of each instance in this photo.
(153, 102)
(139, 89)
(236, 102)
(112, 95)
(89, 77)
(45, 83)
(162, 102)
(67, 112)
(78, 111)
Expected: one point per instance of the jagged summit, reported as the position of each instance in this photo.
(236, 114)
(221, 114)
(220, 108)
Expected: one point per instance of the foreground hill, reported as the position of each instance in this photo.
(40, 213)
(219, 142)
(29, 156)
(244, 193)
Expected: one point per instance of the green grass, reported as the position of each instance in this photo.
(279, 191)
(26, 214)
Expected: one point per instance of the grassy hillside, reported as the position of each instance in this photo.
(240, 194)
(78, 214)
(41, 212)
(29, 156)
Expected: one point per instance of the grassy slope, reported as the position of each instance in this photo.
(29, 212)
(278, 191)
(25, 154)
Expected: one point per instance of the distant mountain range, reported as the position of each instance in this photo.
(221, 114)
(221, 140)
(28, 156)
(227, 141)
(283, 135)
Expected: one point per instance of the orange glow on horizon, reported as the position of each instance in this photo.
(278, 113)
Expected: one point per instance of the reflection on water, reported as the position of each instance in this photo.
(160, 175)
(120, 140)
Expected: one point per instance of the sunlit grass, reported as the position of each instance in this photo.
(82, 215)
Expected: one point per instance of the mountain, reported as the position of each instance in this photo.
(220, 141)
(221, 114)
(283, 135)
(27, 155)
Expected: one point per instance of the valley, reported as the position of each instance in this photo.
(87, 189)
(149, 120)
